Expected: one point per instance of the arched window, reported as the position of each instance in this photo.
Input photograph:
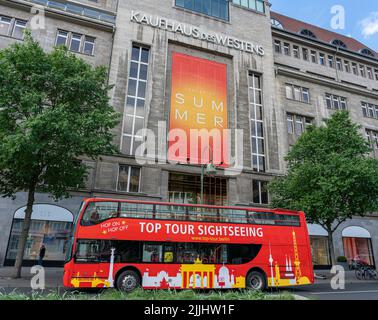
(339, 43)
(308, 33)
(357, 245)
(51, 225)
(367, 52)
(277, 24)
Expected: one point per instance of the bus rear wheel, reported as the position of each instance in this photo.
(128, 281)
(256, 281)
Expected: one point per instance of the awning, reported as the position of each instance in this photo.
(316, 230)
(46, 212)
(356, 232)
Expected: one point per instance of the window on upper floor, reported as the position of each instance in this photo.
(308, 33)
(257, 5)
(296, 52)
(286, 49)
(372, 137)
(89, 43)
(331, 62)
(314, 56)
(339, 64)
(339, 43)
(5, 25)
(355, 69)
(134, 118)
(376, 74)
(297, 124)
(75, 42)
(128, 178)
(370, 73)
(322, 59)
(61, 38)
(277, 46)
(336, 102)
(297, 93)
(362, 71)
(260, 192)
(305, 54)
(276, 23)
(215, 8)
(369, 110)
(367, 52)
(347, 66)
(19, 27)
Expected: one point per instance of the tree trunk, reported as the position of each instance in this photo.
(331, 247)
(25, 233)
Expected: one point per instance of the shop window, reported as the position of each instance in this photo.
(358, 249)
(320, 251)
(52, 230)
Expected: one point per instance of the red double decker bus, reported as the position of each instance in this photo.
(154, 245)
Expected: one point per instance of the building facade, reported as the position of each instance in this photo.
(275, 75)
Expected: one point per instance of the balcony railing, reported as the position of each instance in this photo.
(77, 9)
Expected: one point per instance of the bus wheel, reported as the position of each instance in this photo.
(256, 281)
(128, 281)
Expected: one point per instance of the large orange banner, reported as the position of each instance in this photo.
(198, 113)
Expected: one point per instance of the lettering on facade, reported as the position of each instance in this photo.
(196, 33)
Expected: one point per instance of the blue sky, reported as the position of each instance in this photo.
(361, 16)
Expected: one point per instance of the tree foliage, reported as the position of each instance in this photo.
(54, 107)
(331, 176)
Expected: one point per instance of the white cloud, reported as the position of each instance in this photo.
(370, 25)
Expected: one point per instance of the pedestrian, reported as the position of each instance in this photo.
(42, 252)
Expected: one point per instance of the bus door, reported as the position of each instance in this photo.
(87, 261)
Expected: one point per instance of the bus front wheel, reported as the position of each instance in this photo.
(256, 281)
(128, 281)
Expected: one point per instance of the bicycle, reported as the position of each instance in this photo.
(365, 272)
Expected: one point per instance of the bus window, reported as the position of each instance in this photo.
(233, 216)
(240, 254)
(152, 253)
(188, 253)
(165, 212)
(87, 251)
(203, 214)
(97, 212)
(137, 210)
(169, 250)
(266, 218)
(287, 220)
(125, 251)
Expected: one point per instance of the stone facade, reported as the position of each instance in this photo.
(113, 48)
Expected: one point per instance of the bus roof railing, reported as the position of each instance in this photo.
(248, 208)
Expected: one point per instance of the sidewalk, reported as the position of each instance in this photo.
(53, 278)
(350, 277)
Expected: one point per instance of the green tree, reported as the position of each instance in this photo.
(331, 176)
(54, 108)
